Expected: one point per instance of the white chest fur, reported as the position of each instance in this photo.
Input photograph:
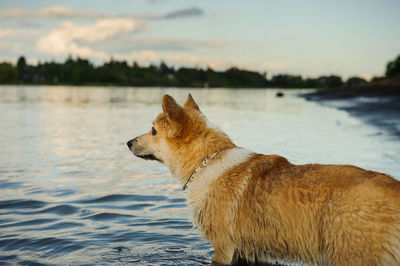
(198, 188)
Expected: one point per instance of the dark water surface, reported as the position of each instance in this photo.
(72, 193)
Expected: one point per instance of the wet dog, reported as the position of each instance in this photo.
(264, 208)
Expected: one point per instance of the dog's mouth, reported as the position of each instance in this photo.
(140, 152)
(149, 157)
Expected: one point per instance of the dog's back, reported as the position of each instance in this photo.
(319, 214)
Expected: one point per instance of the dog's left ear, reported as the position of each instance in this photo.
(175, 114)
(190, 103)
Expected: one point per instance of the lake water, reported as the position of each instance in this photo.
(72, 193)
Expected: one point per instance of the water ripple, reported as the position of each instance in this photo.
(28, 223)
(108, 216)
(61, 226)
(124, 197)
(10, 185)
(168, 206)
(167, 223)
(136, 207)
(63, 209)
(49, 244)
(21, 204)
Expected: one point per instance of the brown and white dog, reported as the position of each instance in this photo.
(265, 209)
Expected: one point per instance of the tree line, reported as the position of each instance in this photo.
(78, 71)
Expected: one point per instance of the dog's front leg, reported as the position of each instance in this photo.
(223, 252)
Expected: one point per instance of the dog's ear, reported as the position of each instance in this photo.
(190, 103)
(175, 114)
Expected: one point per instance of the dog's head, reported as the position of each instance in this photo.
(180, 137)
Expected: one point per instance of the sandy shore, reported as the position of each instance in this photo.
(377, 105)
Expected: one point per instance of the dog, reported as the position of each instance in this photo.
(265, 209)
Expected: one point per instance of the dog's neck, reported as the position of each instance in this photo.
(203, 164)
(185, 159)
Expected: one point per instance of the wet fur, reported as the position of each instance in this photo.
(265, 209)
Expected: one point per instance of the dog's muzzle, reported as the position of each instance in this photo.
(131, 142)
(138, 151)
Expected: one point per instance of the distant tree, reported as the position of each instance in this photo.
(354, 81)
(22, 67)
(215, 78)
(330, 81)
(287, 81)
(79, 71)
(311, 83)
(393, 68)
(191, 77)
(245, 78)
(8, 73)
(377, 79)
(115, 72)
(136, 66)
(164, 69)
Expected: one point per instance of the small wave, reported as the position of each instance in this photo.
(177, 200)
(10, 185)
(145, 237)
(72, 173)
(49, 244)
(169, 206)
(108, 216)
(175, 255)
(61, 225)
(167, 223)
(119, 255)
(135, 207)
(124, 197)
(174, 250)
(61, 209)
(8, 258)
(64, 192)
(121, 248)
(28, 223)
(3, 221)
(21, 204)
(31, 262)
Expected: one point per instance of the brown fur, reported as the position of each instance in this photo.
(265, 208)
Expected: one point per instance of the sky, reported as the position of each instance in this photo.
(302, 37)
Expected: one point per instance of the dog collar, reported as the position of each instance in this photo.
(202, 165)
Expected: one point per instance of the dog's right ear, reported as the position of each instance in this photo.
(190, 103)
(175, 114)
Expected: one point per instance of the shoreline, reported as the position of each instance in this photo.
(378, 105)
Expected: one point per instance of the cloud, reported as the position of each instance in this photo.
(63, 39)
(107, 35)
(187, 12)
(143, 56)
(17, 41)
(150, 56)
(156, 1)
(49, 12)
(83, 40)
(5, 32)
(175, 43)
(65, 12)
(28, 24)
(128, 43)
(200, 61)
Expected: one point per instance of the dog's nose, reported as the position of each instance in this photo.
(129, 143)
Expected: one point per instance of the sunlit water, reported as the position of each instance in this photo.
(72, 193)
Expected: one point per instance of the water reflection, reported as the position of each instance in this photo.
(73, 194)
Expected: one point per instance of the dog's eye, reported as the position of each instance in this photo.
(153, 131)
